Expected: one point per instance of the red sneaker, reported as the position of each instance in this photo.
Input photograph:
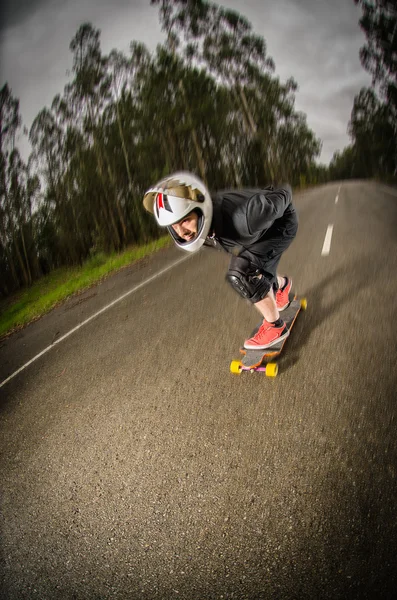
(268, 335)
(282, 295)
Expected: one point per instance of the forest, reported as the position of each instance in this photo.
(373, 123)
(207, 100)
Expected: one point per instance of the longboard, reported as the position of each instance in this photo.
(260, 360)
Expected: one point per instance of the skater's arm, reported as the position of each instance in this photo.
(264, 208)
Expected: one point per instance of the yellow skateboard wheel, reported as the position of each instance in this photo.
(271, 369)
(303, 303)
(235, 367)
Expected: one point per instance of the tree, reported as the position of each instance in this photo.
(124, 73)
(373, 123)
(222, 40)
(206, 100)
(379, 55)
(10, 121)
(343, 164)
(372, 130)
(89, 93)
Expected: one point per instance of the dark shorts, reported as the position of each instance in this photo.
(266, 253)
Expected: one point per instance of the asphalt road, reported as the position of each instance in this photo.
(135, 466)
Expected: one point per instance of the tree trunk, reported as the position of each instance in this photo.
(237, 178)
(59, 202)
(136, 211)
(26, 256)
(247, 111)
(20, 259)
(199, 155)
(173, 153)
(3, 230)
(106, 204)
(10, 259)
(117, 202)
(13, 241)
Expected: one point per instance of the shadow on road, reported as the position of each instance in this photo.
(352, 276)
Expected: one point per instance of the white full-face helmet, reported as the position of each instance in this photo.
(176, 196)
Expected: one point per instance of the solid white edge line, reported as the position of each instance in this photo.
(327, 241)
(99, 312)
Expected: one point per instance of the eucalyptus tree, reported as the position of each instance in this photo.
(82, 191)
(170, 21)
(224, 41)
(239, 56)
(273, 107)
(126, 75)
(379, 54)
(236, 55)
(10, 122)
(166, 126)
(49, 136)
(33, 194)
(344, 165)
(46, 138)
(372, 151)
(22, 191)
(164, 121)
(379, 57)
(88, 94)
(193, 30)
(372, 129)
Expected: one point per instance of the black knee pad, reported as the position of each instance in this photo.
(247, 279)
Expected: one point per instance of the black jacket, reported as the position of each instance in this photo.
(242, 218)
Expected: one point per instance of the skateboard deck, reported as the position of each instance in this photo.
(260, 360)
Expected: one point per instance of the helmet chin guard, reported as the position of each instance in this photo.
(176, 196)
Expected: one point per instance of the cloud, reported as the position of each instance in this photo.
(35, 55)
(15, 12)
(315, 41)
(318, 43)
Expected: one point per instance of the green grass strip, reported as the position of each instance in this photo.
(47, 292)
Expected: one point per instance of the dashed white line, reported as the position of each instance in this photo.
(327, 241)
(336, 199)
(99, 312)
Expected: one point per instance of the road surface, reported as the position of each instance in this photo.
(134, 465)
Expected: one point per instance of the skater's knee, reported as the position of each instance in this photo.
(247, 280)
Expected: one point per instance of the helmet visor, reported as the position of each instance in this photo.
(154, 196)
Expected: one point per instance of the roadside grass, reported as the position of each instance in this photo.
(31, 303)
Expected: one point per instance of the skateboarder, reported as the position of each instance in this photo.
(255, 225)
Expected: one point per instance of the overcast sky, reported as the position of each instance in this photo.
(315, 41)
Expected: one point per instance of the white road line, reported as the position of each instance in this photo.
(327, 241)
(336, 199)
(134, 289)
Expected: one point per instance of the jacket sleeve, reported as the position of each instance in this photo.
(264, 208)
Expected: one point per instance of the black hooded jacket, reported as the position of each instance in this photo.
(246, 219)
